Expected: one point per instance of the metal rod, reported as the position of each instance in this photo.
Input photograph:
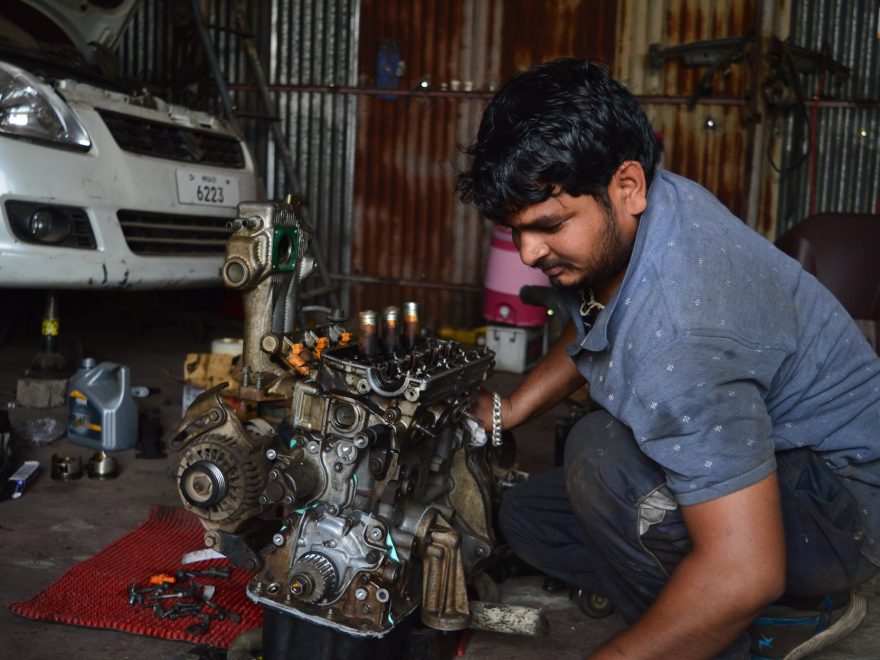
(766, 11)
(280, 140)
(211, 56)
(416, 284)
(485, 96)
(50, 326)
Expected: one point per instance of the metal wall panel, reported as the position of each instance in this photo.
(301, 44)
(845, 159)
(709, 142)
(412, 238)
(378, 166)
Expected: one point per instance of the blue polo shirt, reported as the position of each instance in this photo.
(718, 351)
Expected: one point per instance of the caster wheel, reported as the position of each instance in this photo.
(593, 605)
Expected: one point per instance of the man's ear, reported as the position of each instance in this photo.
(629, 188)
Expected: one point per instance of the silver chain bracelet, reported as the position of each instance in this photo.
(496, 420)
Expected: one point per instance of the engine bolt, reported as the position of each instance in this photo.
(481, 552)
(339, 467)
(361, 594)
(271, 454)
(278, 540)
(365, 609)
(376, 533)
(372, 556)
(313, 447)
(274, 474)
(332, 509)
(382, 595)
(263, 499)
(287, 499)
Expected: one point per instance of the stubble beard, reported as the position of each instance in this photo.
(611, 257)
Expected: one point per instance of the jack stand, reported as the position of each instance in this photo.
(45, 380)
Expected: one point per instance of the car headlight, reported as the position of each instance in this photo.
(32, 110)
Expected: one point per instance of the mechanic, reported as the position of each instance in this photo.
(733, 468)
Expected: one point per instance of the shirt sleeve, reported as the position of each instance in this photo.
(698, 410)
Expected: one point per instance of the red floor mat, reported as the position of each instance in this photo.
(94, 593)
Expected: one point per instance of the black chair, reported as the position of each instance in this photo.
(842, 250)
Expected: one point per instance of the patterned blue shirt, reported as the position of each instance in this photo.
(718, 350)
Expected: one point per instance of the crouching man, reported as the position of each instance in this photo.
(731, 480)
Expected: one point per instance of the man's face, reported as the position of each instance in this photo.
(575, 241)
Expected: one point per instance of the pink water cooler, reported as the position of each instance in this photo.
(516, 331)
(506, 274)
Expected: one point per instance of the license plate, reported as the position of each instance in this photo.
(206, 189)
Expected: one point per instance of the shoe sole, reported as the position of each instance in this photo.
(849, 621)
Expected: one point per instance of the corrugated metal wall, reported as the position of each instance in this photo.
(307, 49)
(845, 157)
(378, 165)
(709, 142)
(412, 238)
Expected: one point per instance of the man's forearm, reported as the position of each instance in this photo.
(697, 615)
(553, 378)
(737, 566)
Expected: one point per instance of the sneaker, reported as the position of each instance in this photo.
(793, 632)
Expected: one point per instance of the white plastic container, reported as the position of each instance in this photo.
(102, 414)
(516, 349)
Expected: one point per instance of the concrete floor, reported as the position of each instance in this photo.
(59, 524)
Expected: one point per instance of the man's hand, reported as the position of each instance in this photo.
(736, 567)
(482, 409)
(553, 378)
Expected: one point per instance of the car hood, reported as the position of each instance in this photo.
(91, 25)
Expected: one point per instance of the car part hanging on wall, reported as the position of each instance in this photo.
(362, 490)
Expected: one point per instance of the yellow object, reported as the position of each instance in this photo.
(344, 338)
(51, 327)
(320, 345)
(474, 336)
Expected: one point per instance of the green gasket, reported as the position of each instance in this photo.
(288, 239)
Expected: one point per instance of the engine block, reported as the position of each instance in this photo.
(363, 489)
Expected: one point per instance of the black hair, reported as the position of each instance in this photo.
(561, 126)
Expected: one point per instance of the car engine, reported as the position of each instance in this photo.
(362, 489)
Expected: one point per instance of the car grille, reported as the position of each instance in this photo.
(153, 138)
(173, 235)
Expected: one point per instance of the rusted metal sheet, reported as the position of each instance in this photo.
(408, 225)
(672, 23)
(699, 144)
(709, 142)
(540, 30)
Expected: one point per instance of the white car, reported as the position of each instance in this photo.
(102, 185)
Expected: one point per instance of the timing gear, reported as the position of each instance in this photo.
(313, 576)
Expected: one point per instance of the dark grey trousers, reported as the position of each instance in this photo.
(606, 522)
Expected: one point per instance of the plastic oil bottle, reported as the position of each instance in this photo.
(102, 413)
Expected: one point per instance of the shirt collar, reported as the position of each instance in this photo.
(659, 204)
